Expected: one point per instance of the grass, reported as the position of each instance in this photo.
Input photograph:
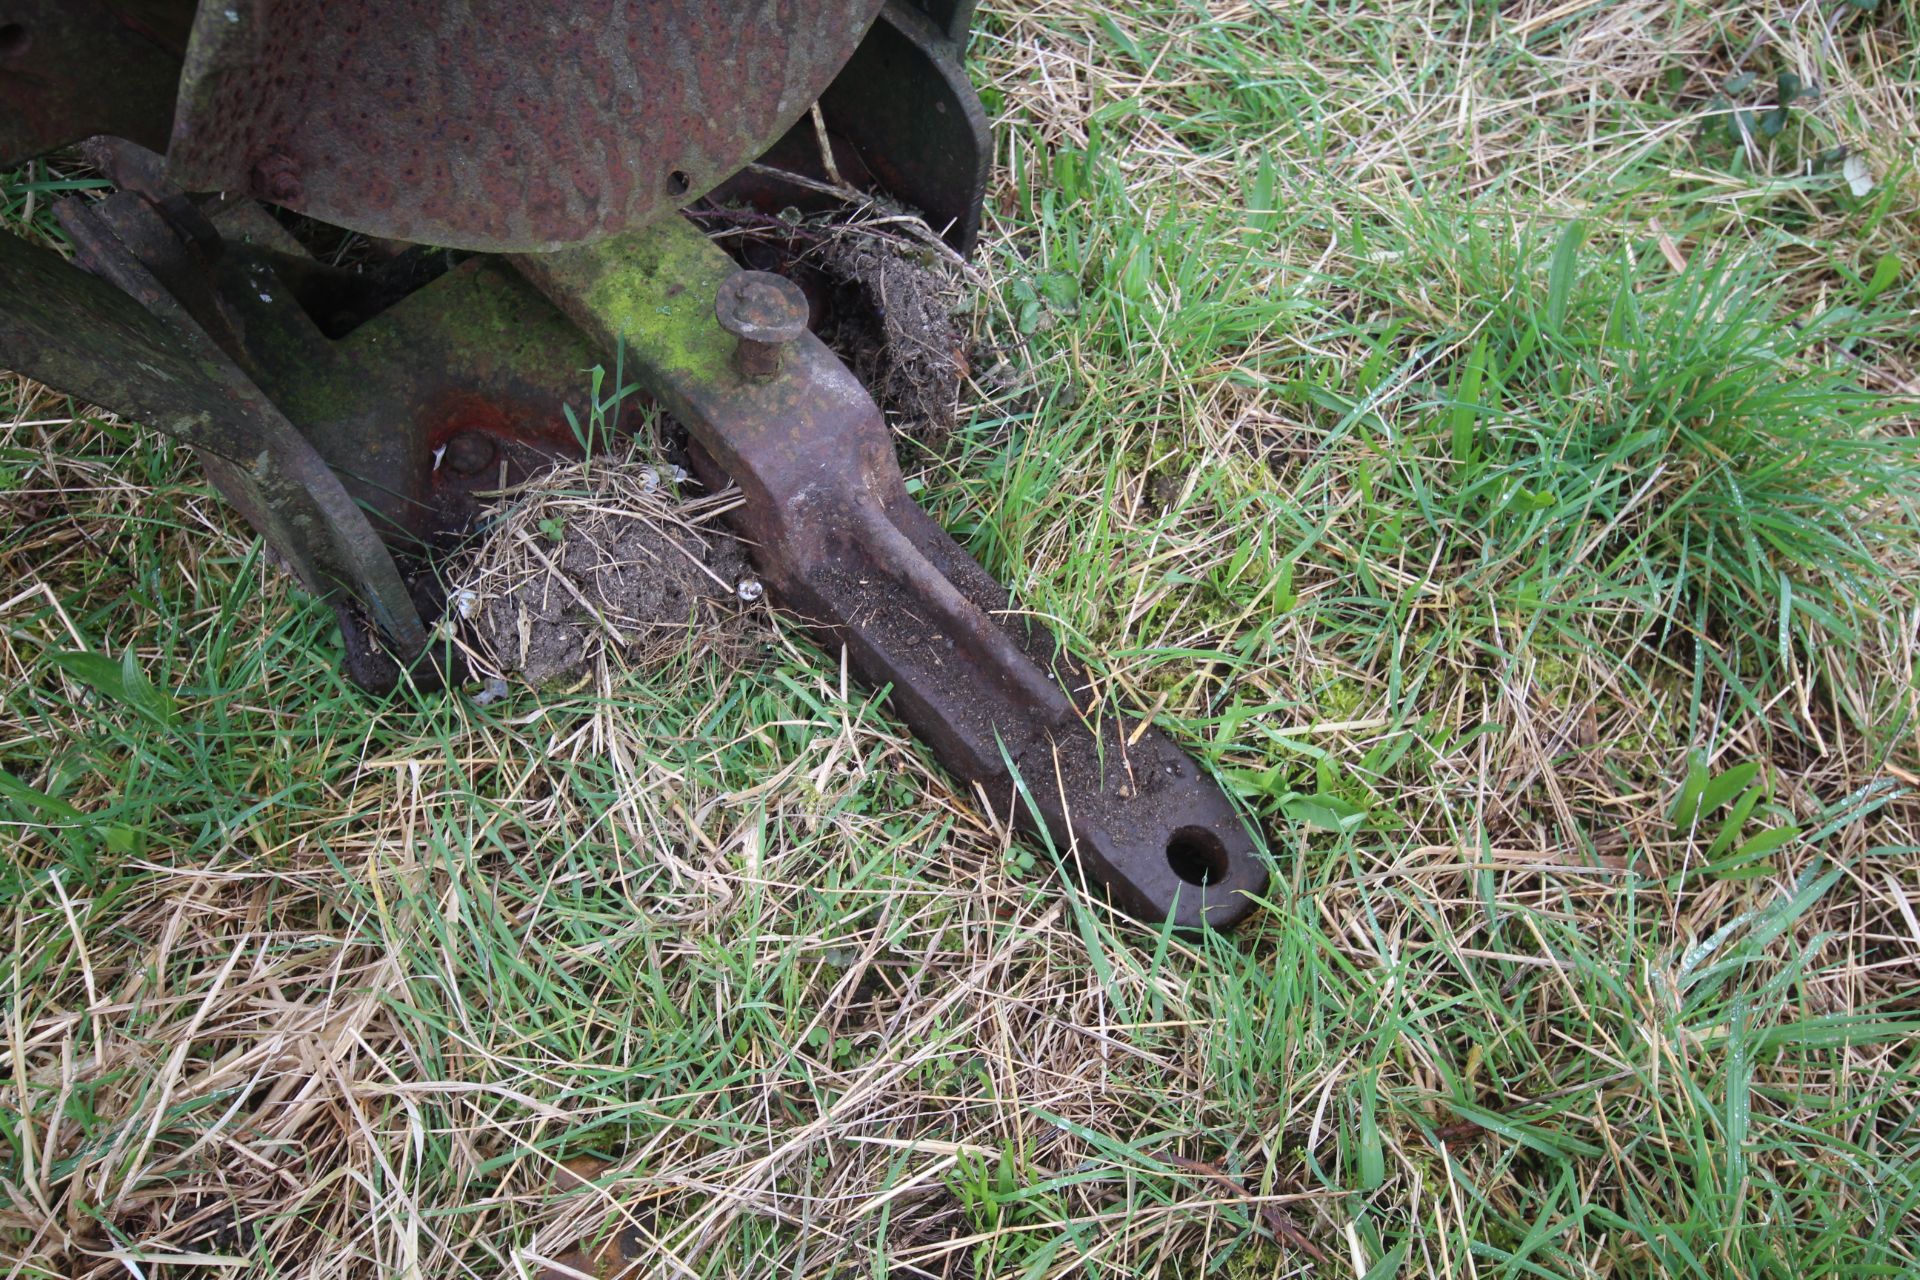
(1484, 434)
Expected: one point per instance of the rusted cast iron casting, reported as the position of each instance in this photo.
(496, 126)
(351, 415)
(489, 124)
(86, 336)
(838, 540)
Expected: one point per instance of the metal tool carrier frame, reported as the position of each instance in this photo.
(352, 416)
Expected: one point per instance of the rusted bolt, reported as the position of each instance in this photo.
(470, 453)
(276, 176)
(765, 312)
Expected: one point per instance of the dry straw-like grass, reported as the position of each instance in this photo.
(596, 560)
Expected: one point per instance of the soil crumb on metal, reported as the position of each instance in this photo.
(601, 561)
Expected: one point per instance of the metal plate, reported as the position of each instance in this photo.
(906, 104)
(94, 340)
(73, 68)
(496, 125)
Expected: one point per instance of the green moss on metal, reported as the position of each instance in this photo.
(655, 289)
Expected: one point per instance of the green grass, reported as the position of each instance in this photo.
(1446, 420)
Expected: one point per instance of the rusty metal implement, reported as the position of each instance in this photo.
(838, 540)
(352, 415)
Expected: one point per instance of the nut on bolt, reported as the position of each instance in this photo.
(765, 312)
(470, 452)
(276, 177)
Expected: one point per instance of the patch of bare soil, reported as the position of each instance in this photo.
(600, 560)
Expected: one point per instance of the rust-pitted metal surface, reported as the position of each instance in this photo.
(495, 125)
(838, 540)
(764, 312)
(355, 416)
(73, 68)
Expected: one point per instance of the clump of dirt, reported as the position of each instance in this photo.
(601, 560)
(900, 337)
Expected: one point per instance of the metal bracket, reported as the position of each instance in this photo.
(345, 451)
(87, 337)
(839, 541)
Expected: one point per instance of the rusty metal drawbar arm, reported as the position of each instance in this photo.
(839, 541)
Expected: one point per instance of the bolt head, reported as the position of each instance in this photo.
(470, 452)
(276, 176)
(758, 306)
